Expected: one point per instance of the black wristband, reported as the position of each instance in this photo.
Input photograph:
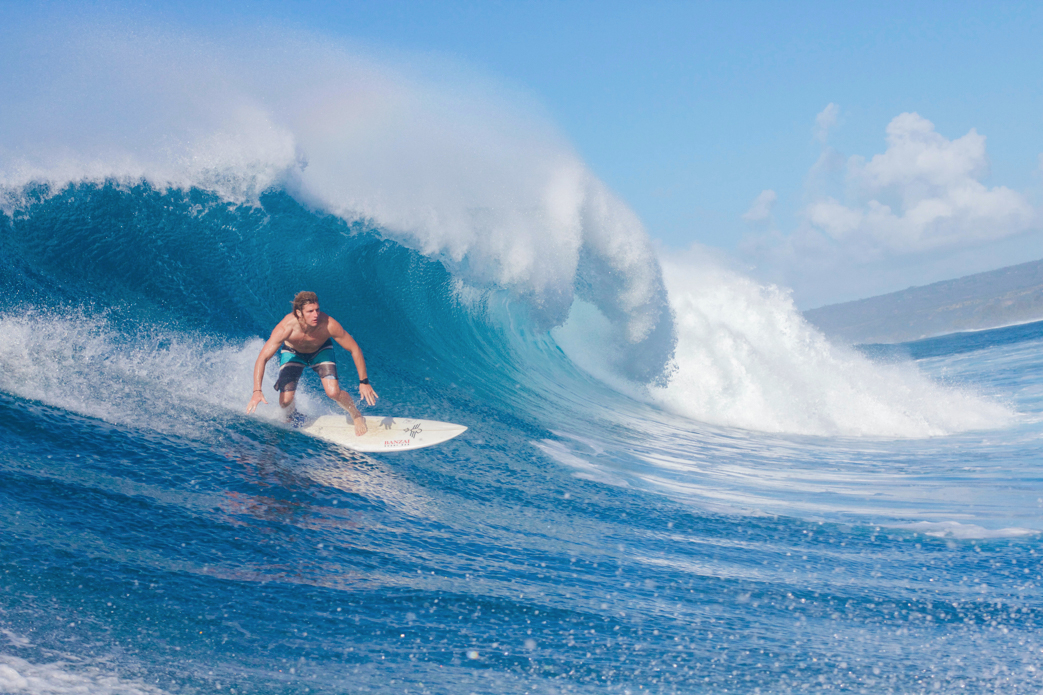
(364, 381)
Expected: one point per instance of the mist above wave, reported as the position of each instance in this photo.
(442, 161)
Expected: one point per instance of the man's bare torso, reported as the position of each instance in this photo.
(305, 341)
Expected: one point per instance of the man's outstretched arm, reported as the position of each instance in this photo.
(279, 334)
(345, 340)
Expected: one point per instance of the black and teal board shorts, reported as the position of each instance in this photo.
(292, 363)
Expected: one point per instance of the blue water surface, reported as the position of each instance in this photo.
(573, 540)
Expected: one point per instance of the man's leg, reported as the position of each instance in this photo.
(286, 385)
(344, 400)
(286, 403)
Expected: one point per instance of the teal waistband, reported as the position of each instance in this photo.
(308, 359)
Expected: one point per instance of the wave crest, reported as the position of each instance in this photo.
(452, 166)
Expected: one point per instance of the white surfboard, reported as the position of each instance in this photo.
(384, 433)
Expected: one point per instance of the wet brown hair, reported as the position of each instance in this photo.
(301, 299)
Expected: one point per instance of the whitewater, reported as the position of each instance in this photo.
(671, 482)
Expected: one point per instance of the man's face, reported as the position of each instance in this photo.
(310, 314)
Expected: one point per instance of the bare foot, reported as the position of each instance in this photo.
(293, 418)
(360, 426)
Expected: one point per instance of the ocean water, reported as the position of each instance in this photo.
(670, 483)
(576, 539)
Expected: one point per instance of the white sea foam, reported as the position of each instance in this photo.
(64, 677)
(89, 365)
(957, 531)
(747, 358)
(584, 468)
(444, 161)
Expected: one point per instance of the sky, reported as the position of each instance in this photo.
(839, 149)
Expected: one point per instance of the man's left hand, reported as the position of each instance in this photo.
(367, 394)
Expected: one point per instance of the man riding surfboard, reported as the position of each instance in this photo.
(304, 338)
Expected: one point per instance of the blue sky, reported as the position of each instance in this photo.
(689, 111)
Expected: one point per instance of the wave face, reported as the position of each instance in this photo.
(670, 483)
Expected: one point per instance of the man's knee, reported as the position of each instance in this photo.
(332, 388)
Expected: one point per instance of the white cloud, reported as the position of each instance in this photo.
(923, 193)
(875, 225)
(760, 211)
(825, 121)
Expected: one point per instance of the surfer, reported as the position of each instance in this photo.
(304, 338)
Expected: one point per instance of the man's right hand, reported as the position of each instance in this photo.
(258, 397)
